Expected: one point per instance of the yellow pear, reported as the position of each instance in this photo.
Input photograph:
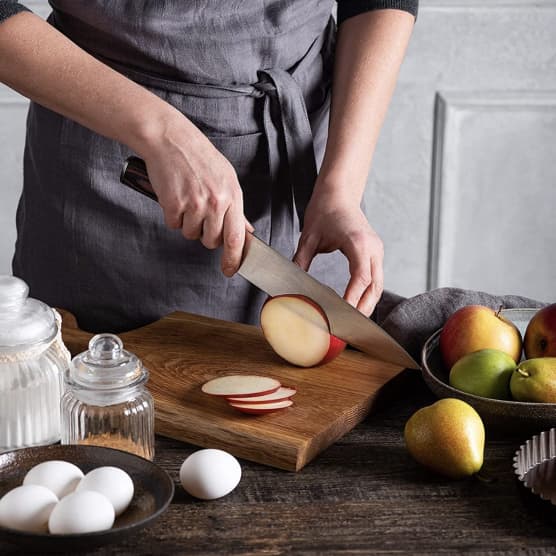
(447, 437)
(534, 380)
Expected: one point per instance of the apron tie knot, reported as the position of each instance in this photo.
(263, 87)
(288, 131)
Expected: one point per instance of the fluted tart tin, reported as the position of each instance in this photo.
(535, 464)
(106, 401)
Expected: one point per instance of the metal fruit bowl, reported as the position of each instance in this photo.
(506, 414)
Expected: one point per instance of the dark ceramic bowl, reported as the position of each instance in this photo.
(153, 493)
(499, 413)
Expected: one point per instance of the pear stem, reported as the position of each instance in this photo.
(523, 373)
(497, 314)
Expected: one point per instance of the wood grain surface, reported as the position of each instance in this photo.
(183, 351)
(363, 495)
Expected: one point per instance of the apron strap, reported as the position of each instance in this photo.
(295, 131)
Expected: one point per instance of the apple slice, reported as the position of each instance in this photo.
(283, 393)
(260, 408)
(298, 330)
(241, 386)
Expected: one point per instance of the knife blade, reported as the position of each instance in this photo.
(281, 276)
(276, 275)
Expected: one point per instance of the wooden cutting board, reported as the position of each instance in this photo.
(182, 351)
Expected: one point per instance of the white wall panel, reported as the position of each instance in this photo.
(494, 193)
(457, 45)
(40, 7)
(12, 133)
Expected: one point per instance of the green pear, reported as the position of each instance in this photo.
(534, 380)
(447, 437)
(486, 373)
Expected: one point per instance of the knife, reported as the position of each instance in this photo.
(276, 275)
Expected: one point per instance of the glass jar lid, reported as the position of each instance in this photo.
(106, 365)
(24, 321)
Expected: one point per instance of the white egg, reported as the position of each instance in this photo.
(27, 508)
(210, 474)
(85, 511)
(113, 482)
(61, 477)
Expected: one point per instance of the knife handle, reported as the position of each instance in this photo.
(134, 175)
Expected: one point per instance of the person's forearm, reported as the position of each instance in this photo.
(42, 64)
(197, 187)
(369, 53)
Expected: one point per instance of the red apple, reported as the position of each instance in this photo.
(298, 330)
(540, 334)
(259, 408)
(244, 386)
(283, 393)
(475, 327)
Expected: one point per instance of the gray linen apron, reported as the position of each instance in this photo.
(252, 75)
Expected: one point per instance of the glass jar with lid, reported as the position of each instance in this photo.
(106, 402)
(33, 359)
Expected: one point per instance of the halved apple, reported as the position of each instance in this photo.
(283, 393)
(260, 408)
(240, 386)
(298, 330)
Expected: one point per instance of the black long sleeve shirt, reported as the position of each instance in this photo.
(346, 8)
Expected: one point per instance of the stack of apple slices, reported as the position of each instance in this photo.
(251, 393)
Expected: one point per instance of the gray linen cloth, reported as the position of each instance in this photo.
(412, 320)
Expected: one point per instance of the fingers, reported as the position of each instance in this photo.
(306, 251)
(372, 294)
(173, 220)
(233, 239)
(199, 192)
(360, 271)
(173, 212)
(192, 221)
(248, 226)
(213, 223)
(212, 213)
(367, 275)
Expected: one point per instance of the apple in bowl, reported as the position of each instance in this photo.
(476, 327)
(540, 335)
(298, 330)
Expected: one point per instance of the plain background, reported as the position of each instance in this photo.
(463, 184)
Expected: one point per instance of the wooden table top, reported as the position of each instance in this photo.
(362, 495)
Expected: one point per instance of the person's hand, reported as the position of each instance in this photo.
(198, 190)
(331, 224)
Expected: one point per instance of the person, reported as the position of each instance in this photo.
(233, 106)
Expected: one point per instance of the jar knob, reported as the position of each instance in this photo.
(13, 293)
(106, 365)
(105, 347)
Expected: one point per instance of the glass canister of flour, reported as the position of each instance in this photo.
(105, 400)
(33, 359)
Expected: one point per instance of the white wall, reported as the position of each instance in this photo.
(464, 178)
(13, 110)
(12, 123)
(463, 182)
